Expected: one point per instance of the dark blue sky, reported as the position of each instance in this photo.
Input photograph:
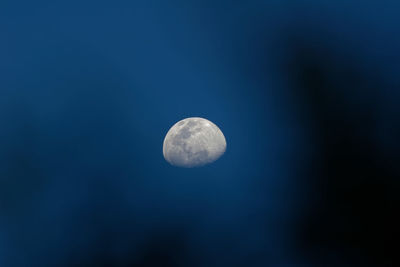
(306, 93)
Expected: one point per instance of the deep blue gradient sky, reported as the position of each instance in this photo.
(306, 93)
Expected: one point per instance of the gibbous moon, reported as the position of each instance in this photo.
(193, 142)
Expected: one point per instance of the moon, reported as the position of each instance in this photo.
(193, 142)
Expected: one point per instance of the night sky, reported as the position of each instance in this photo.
(307, 94)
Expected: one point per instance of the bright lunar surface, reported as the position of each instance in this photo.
(193, 142)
